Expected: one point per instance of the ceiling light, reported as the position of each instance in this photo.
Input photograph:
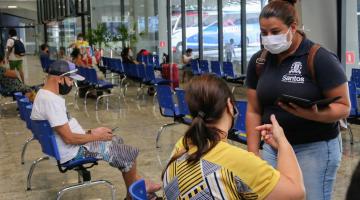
(12, 6)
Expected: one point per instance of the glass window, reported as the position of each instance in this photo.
(232, 32)
(176, 31)
(210, 30)
(253, 9)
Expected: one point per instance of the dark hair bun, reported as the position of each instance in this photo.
(292, 2)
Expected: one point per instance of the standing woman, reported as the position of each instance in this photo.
(313, 132)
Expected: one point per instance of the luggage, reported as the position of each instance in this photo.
(171, 72)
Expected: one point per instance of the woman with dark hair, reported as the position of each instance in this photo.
(204, 166)
(127, 56)
(77, 58)
(293, 65)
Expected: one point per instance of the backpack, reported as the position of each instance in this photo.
(260, 61)
(19, 48)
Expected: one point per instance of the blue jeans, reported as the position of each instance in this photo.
(318, 161)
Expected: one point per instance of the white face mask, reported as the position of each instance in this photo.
(276, 44)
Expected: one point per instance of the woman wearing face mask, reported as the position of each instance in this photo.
(285, 69)
(204, 166)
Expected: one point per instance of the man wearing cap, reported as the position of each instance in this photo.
(73, 142)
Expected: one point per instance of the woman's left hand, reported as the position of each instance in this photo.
(306, 113)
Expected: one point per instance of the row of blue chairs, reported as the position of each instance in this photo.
(178, 110)
(91, 79)
(227, 72)
(143, 74)
(43, 133)
(152, 60)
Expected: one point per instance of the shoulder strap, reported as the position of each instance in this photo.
(260, 61)
(310, 60)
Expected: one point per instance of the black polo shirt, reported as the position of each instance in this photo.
(293, 78)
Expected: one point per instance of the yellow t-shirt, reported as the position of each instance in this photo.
(80, 44)
(225, 172)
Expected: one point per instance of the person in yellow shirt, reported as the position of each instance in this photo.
(80, 42)
(204, 166)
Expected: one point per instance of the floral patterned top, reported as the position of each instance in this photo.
(11, 85)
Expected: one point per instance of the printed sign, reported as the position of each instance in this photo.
(350, 57)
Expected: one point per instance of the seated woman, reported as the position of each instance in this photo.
(77, 58)
(127, 56)
(10, 82)
(203, 165)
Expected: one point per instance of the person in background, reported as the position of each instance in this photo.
(15, 61)
(10, 82)
(44, 52)
(80, 42)
(62, 53)
(127, 56)
(230, 50)
(77, 58)
(313, 132)
(186, 61)
(74, 142)
(204, 165)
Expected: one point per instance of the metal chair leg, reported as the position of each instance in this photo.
(162, 128)
(351, 135)
(86, 94)
(98, 99)
(87, 184)
(33, 165)
(24, 148)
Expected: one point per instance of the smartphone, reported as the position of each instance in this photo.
(114, 129)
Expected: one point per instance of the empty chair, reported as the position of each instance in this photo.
(230, 74)
(204, 66)
(238, 133)
(28, 109)
(183, 107)
(195, 67)
(22, 107)
(354, 109)
(168, 108)
(97, 85)
(44, 134)
(216, 68)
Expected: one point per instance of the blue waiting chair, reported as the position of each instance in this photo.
(168, 108)
(44, 133)
(355, 78)
(231, 76)
(195, 67)
(27, 114)
(204, 66)
(138, 190)
(354, 109)
(22, 107)
(183, 107)
(238, 133)
(97, 85)
(216, 69)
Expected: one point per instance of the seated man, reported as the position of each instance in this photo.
(10, 82)
(73, 142)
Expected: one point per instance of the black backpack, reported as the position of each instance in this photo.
(19, 48)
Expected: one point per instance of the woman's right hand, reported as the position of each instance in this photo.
(272, 134)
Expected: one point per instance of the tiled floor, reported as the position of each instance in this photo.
(138, 122)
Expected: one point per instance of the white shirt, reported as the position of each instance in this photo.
(229, 48)
(51, 107)
(10, 43)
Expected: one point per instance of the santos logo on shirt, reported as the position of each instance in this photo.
(294, 75)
